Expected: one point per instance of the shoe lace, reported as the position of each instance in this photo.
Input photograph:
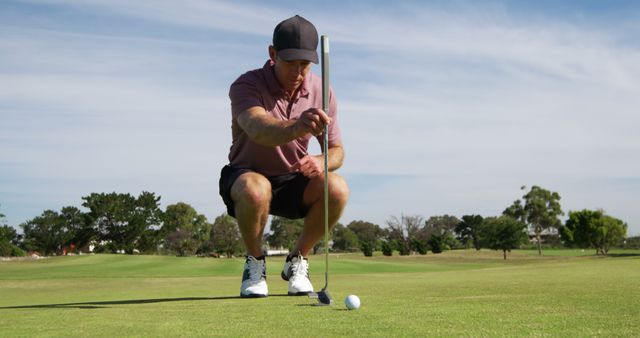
(300, 268)
(256, 268)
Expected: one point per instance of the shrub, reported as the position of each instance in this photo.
(436, 243)
(367, 249)
(17, 252)
(420, 247)
(387, 249)
(403, 247)
(9, 250)
(5, 249)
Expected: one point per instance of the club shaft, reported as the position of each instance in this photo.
(325, 106)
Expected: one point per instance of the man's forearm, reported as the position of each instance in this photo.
(270, 132)
(336, 157)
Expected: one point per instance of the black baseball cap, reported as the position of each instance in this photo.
(296, 39)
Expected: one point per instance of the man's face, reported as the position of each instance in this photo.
(290, 74)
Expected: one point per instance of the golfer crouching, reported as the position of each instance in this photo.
(275, 113)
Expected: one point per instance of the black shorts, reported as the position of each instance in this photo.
(287, 192)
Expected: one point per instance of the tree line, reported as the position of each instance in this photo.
(536, 215)
(123, 223)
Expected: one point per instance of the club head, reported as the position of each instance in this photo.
(313, 295)
(324, 298)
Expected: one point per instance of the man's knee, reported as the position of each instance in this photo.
(251, 189)
(338, 189)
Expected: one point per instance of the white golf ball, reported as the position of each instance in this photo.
(352, 302)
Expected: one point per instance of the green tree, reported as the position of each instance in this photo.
(225, 236)
(150, 240)
(46, 233)
(123, 220)
(9, 240)
(420, 245)
(181, 242)
(610, 232)
(56, 232)
(367, 249)
(593, 229)
(468, 231)
(438, 233)
(580, 228)
(445, 222)
(437, 243)
(503, 233)
(81, 231)
(541, 210)
(369, 236)
(8, 234)
(387, 248)
(185, 231)
(284, 232)
(516, 210)
(345, 239)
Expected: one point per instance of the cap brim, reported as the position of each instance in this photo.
(298, 54)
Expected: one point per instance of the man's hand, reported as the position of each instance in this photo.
(310, 166)
(312, 121)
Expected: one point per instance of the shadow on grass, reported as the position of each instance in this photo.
(626, 254)
(105, 304)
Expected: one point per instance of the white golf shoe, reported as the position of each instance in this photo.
(296, 271)
(254, 278)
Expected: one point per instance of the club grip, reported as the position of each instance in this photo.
(325, 73)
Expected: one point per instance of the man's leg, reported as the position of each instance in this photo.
(296, 267)
(314, 221)
(251, 194)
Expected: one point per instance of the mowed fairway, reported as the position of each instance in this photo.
(458, 293)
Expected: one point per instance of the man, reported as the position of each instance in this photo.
(275, 112)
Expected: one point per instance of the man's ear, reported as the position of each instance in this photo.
(272, 53)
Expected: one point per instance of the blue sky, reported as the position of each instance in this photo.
(447, 107)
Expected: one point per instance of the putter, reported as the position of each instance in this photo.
(324, 298)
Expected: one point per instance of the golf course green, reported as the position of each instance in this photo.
(467, 293)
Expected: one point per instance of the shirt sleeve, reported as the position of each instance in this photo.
(244, 94)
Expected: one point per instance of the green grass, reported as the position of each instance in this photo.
(579, 252)
(458, 293)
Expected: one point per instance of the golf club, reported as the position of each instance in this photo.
(324, 298)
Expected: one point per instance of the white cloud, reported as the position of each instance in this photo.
(467, 105)
(481, 107)
(550, 48)
(86, 112)
(220, 15)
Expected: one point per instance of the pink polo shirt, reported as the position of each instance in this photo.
(260, 87)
